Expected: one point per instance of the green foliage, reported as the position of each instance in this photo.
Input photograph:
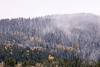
(27, 57)
(98, 64)
(27, 63)
(10, 62)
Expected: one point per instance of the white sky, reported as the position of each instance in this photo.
(32, 8)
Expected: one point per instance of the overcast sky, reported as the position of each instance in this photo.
(32, 8)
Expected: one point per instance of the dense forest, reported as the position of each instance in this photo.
(51, 41)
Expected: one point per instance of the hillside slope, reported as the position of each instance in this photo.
(76, 31)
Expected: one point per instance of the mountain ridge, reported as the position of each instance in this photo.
(50, 31)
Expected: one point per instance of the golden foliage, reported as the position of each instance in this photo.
(50, 58)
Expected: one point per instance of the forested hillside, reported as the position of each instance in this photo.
(71, 39)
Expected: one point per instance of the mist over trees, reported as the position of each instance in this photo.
(76, 33)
